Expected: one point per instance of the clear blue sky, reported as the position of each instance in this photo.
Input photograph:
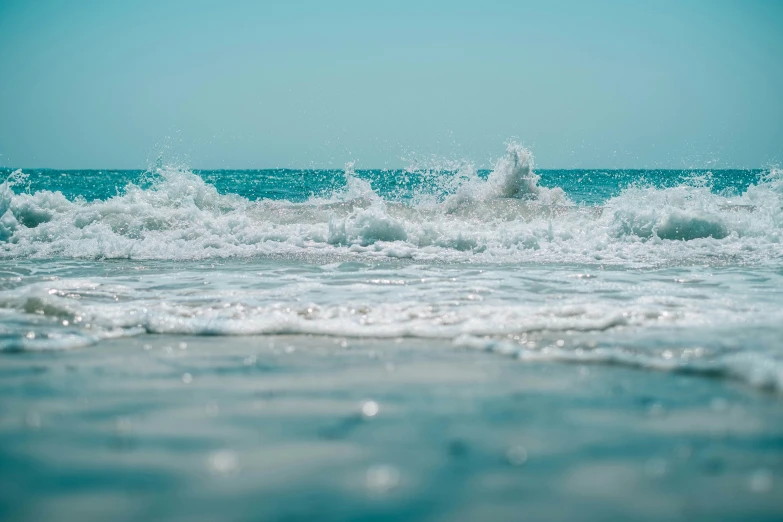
(255, 84)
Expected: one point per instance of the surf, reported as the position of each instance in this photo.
(504, 216)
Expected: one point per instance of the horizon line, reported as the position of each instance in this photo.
(294, 169)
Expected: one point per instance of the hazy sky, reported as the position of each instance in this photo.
(254, 84)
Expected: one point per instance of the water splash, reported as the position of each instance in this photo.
(508, 216)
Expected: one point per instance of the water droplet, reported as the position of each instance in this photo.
(516, 455)
(382, 478)
(183, 346)
(761, 481)
(370, 409)
(223, 462)
(187, 378)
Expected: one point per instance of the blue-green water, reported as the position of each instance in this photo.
(585, 187)
(424, 344)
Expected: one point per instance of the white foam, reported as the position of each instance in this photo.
(489, 310)
(506, 218)
(761, 370)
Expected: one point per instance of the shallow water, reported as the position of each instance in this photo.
(303, 428)
(660, 277)
(721, 320)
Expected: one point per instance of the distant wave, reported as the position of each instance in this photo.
(507, 217)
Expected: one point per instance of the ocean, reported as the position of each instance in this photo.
(437, 342)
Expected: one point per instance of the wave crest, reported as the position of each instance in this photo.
(507, 217)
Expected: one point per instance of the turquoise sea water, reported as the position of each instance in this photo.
(142, 302)
(588, 187)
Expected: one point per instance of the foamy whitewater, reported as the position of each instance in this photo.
(674, 271)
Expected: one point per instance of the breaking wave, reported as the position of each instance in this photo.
(507, 217)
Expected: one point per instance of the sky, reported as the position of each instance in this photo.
(387, 84)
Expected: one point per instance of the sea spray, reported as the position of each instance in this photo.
(506, 216)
